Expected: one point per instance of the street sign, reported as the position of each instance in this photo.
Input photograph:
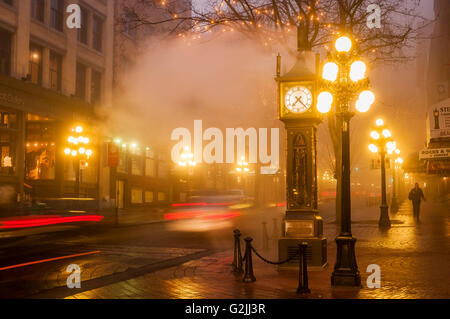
(439, 119)
(113, 155)
(430, 153)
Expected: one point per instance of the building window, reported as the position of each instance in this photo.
(80, 85)
(162, 197)
(136, 162)
(8, 120)
(129, 27)
(55, 71)
(35, 66)
(96, 87)
(149, 197)
(97, 34)
(40, 149)
(57, 14)
(149, 164)
(163, 169)
(83, 31)
(123, 160)
(5, 53)
(136, 196)
(37, 9)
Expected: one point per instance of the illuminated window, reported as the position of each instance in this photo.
(136, 162)
(40, 150)
(162, 196)
(136, 195)
(7, 142)
(123, 160)
(35, 65)
(149, 164)
(149, 197)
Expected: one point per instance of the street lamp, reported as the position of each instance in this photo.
(187, 161)
(345, 82)
(382, 143)
(397, 164)
(77, 148)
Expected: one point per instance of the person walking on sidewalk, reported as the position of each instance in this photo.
(416, 196)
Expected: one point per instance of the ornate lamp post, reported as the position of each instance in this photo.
(343, 78)
(382, 144)
(79, 151)
(242, 169)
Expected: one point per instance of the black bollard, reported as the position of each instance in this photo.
(302, 270)
(265, 236)
(248, 275)
(237, 259)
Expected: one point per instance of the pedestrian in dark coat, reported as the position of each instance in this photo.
(416, 196)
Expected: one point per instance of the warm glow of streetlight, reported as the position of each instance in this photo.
(330, 71)
(67, 151)
(324, 102)
(71, 139)
(397, 151)
(343, 44)
(89, 153)
(82, 150)
(357, 71)
(391, 146)
(79, 129)
(379, 122)
(367, 98)
(373, 148)
(399, 160)
(374, 135)
(386, 133)
(74, 153)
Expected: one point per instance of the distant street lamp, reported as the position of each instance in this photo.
(382, 143)
(187, 162)
(343, 79)
(397, 164)
(79, 151)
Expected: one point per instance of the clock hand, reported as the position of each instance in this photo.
(298, 100)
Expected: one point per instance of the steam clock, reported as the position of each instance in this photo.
(297, 94)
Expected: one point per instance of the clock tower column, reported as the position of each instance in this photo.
(297, 95)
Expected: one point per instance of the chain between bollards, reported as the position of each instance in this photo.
(237, 258)
(249, 275)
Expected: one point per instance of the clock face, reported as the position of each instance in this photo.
(298, 99)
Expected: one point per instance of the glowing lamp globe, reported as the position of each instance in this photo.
(373, 148)
(374, 135)
(379, 122)
(343, 44)
(330, 71)
(357, 71)
(324, 102)
(386, 133)
(362, 107)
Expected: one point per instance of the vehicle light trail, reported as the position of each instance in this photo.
(48, 260)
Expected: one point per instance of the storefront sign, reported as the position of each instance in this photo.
(439, 119)
(434, 153)
(439, 167)
(113, 155)
(9, 98)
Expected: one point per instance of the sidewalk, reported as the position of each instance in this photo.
(414, 261)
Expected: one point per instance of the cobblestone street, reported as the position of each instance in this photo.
(414, 260)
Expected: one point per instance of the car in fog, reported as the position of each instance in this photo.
(206, 210)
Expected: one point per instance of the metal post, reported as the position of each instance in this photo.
(302, 270)
(394, 200)
(346, 271)
(77, 177)
(248, 275)
(384, 221)
(117, 206)
(275, 233)
(237, 259)
(265, 236)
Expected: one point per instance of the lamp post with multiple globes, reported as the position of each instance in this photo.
(382, 143)
(187, 162)
(78, 149)
(344, 81)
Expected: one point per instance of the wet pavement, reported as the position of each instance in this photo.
(414, 260)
